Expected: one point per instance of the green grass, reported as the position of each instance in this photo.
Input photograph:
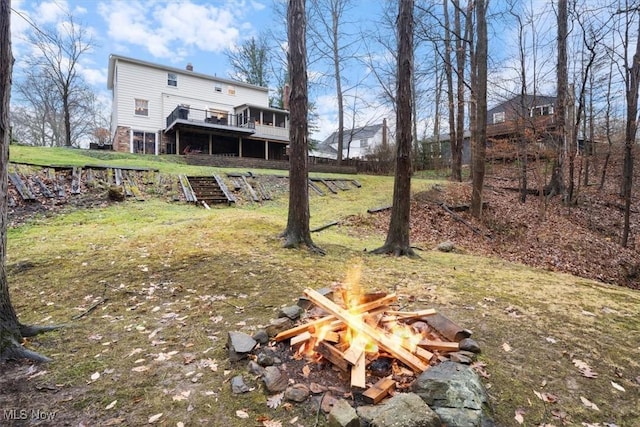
(177, 278)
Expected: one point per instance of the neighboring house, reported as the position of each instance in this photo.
(357, 142)
(159, 109)
(509, 119)
(438, 148)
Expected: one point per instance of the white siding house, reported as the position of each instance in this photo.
(358, 143)
(159, 109)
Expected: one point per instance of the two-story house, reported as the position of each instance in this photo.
(511, 118)
(358, 143)
(157, 109)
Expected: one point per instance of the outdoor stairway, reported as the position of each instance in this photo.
(209, 189)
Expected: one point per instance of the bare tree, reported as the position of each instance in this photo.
(398, 241)
(297, 231)
(330, 43)
(250, 61)
(632, 82)
(11, 330)
(556, 184)
(57, 59)
(479, 138)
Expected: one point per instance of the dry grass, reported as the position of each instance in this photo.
(176, 278)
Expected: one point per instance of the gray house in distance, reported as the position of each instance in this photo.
(357, 144)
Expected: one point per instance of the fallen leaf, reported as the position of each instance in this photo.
(111, 405)
(586, 402)
(584, 369)
(154, 418)
(141, 368)
(617, 386)
(506, 347)
(293, 420)
(272, 423)
(306, 370)
(546, 397)
(179, 424)
(551, 340)
(95, 376)
(274, 401)
(519, 415)
(241, 414)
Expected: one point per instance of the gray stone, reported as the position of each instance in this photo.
(261, 336)
(265, 359)
(343, 415)
(278, 325)
(238, 386)
(293, 312)
(446, 246)
(459, 357)
(402, 410)
(239, 344)
(455, 392)
(297, 393)
(274, 380)
(255, 368)
(469, 344)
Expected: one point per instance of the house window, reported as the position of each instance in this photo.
(172, 79)
(541, 110)
(217, 88)
(231, 90)
(142, 107)
(499, 117)
(144, 142)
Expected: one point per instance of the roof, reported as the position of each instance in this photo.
(275, 110)
(113, 58)
(364, 132)
(529, 101)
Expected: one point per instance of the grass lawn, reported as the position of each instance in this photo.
(172, 279)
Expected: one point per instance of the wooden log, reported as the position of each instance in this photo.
(362, 308)
(44, 190)
(384, 341)
(250, 189)
(315, 188)
(23, 189)
(305, 336)
(76, 176)
(439, 345)
(333, 355)
(447, 328)
(407, 315)
(374, 394)
(359, 372)
(379, 209)
(329, 185)
(322, 227)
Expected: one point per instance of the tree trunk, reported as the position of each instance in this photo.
(449, 76)
(297, 231)
(480, 83)
(633, 80)
(398, 242)
(456, 149)
(10, 328)
(556, 184)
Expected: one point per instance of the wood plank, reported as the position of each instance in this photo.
(391, 316)
(230, 197)
(439, 345)
(250, 189)
(21, 186)
(362, 308)
(329, 185)
(359, 372)
(333, 355)
(384, 341)
(315, 188)
(379, 209)
(374, 394)
(44, 190)
(76, 175)
(305, 336)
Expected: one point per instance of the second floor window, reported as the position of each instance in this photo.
(231, 90)
(217, 88)
(142, 107)
(541, 110)
(172, 79)
(498, 117)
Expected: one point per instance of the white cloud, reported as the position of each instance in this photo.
(169, 30)
(51, 11)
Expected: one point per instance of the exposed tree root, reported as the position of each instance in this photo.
(33, 330)
(395, 250)
(293, 241)
(16, 351)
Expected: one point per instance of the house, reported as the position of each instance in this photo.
(358, 143)
(159, 109)
(511, 118)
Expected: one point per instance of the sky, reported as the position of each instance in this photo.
(173, 33)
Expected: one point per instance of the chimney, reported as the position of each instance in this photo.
(286, 93)
(189, 67)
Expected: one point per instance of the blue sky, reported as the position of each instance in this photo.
(174, 32)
